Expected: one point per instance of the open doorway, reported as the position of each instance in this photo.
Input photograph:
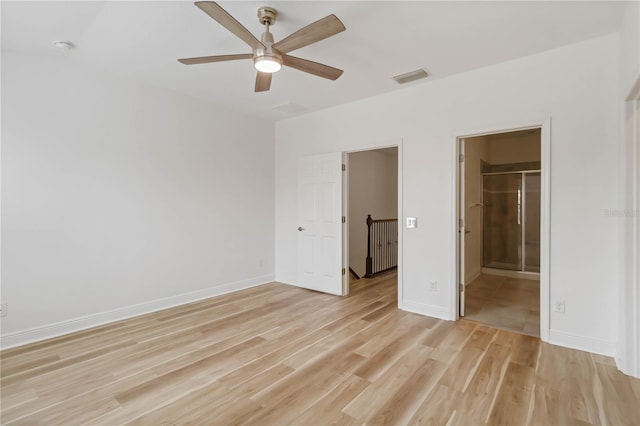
(371, 213)
(500, 210)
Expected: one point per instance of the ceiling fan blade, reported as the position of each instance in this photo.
(311, 67)
(218, 58)
(319, 30)
(263, 81)
(229, 22)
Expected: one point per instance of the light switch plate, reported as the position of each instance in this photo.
(412, 222)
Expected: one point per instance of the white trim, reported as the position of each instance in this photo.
(507, 128)
(35, 334)
(545, 229)
(401, 223)
(288, 283)
(628, 353)
(434, 311)
(345, 226)
(454, 306)
(634, 312)
(462, 230)
(545, 212)
(582, 343)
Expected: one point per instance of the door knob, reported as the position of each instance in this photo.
(300, 228)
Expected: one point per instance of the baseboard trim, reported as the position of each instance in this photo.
(306, 288)
(473, 278)
(291, 284)
(582, 343)
(425, 309)
(627, 367)
(36, 334)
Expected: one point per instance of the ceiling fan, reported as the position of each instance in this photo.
(268, 57)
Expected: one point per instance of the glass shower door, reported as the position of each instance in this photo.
(502, 227)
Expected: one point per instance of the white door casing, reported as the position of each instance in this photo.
(461, 227)
(320, 222)
(345, 224)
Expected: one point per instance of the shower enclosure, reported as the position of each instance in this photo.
(511, 220)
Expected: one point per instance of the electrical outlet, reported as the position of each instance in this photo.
(3, 310)
(559, 306)
(433, 285)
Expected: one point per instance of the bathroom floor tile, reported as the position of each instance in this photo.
(509, 303)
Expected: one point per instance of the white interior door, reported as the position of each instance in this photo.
(461, 228)
(320, 223)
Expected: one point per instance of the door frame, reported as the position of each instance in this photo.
(462, 229)
(394, 143)
(628, 347)
(545, 212)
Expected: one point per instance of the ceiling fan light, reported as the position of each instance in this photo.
(267, 64)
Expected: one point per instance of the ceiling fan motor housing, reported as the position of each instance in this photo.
(267, 15)
(267, 40)
(268, 53)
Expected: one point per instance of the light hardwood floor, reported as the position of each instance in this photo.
(276, 355)
(509, 303)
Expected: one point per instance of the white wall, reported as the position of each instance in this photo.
(373, 189)
(576, 86)
(630, 47)
(628, 214)
(120, 198)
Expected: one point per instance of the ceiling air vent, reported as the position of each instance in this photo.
(290, 108)
(411, 76)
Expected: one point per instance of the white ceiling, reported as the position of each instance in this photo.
(142, 40)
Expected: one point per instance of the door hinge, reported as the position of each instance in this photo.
(344, 271)
(344, 167)
(461, 158)
(461, 288)
(461, 223)
(344, 219)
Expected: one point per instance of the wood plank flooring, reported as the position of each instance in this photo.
(277, 355)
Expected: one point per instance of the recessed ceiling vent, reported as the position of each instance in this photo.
(290, 108)
(411, 76)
